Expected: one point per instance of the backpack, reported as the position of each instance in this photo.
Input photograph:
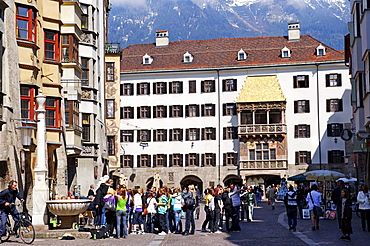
(110, 204)
(189, 201)
(100, 233)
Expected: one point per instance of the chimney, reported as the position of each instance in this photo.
(294, 32)
(161, 38)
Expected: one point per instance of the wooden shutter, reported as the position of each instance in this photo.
(202, 86)
(203, 137)
(340, 105)
(170, 87)
(235, 85)
(170, 160)
(202, 109)
(330, 156)
(170, 135)
(306, 81)
(121, 113)
(224, 85)
(138, 113)
(295, 82)
(297, 157)
(148, 88)
(295, 106)
(327, 78)
(154, 160)
(308, 157)
(164, 88)
(197, 108)
(308, 127)
(154, 111)
(187, 110)
(213, 133)
(181, 112)
(132, 89)
(224, 133)
(342, 156)
(138, 161)
(138, 89)
(165, 135)
(154, 88)
(327, 105)
(339, 78)
(307, 104)
(149, 161)
(340, 128)
(171, 111)
(155, 136)
(329, 130)
(203, 160)
(149, 112)
(187, 134)
(121, 89)
(181, 135)
(149, 136)
(181, 86)
(186, 160)
(198, 133)
(224, 159)
(235, 132)
(165, 112)
(296, 129)
(197, 159)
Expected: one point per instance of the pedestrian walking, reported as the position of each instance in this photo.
(314, 199)
(270, 194)
(364, 206)
(291, 204)
(234, 194)
(252, 202)
(345, 214)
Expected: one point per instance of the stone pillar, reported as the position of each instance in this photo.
(40, 188)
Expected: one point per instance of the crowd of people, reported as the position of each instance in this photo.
(123, 211)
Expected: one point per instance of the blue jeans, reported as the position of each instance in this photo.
(292, 216)
(121, 222)
(3, 218)
(103, 220)
(150, 220)
(235, 218)
(190, 222)
(177, 214)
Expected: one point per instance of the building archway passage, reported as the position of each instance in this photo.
(150, 181)
(233, 179)
(192, 180)
(272, 180)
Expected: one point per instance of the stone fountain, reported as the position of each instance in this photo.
(68, 210)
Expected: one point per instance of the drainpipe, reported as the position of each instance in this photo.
(219, 127)
(318, 113)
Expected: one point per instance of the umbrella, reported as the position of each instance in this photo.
(323, 175)
(298, 178)
(345, 180)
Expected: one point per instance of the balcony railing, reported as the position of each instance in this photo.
(112, 48)
(265, 164)
(262, 129)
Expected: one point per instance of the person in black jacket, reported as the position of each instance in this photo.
(344, 210)
(7, 200)
(99, 203)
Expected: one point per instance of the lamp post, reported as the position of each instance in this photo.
(40, 188)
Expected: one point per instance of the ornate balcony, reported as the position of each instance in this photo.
(263, 129)
(263, 164)
(112, 48)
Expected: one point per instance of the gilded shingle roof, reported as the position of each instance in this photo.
(223, 53)
(261, 89)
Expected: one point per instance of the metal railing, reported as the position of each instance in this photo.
(263, 164)
(255, 129)
(112, 48)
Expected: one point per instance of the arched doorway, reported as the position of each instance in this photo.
(192, 180)
(232, 179)
(272, 180)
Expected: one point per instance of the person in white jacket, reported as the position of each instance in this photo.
(364, 206)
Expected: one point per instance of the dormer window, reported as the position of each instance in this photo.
(147, 59)
(242, 55)
(285, 52)
(320, 50)
(188, 57)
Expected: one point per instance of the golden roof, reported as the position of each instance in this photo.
(261, 89)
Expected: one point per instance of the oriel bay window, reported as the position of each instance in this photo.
(69, 49)
(28, 102)
(86, 127)
(109, 67)
(52, 49)
(262, 151)
(110, 109)
(72, 113)
(52, 114)
(111, 145)
(26, 24)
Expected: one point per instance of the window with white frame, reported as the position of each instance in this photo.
(320, 50)
(242, 55)
(188, 57)
(285, 52)
(147, 59)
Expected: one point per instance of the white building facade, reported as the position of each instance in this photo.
(250, 110)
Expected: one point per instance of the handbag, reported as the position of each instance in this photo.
(317, 211)
(110, 204)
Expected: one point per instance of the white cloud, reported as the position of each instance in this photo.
(298, 4)
(129, 3)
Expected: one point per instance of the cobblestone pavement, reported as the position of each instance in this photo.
(268, 228)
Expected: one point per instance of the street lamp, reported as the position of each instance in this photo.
(346, 159)
(26, 132)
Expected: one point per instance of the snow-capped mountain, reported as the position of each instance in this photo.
(135, 21)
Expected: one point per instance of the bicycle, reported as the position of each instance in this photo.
(23, 228)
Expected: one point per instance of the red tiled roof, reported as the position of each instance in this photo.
(223, 53)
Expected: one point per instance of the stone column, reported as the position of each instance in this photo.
(40, 188)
